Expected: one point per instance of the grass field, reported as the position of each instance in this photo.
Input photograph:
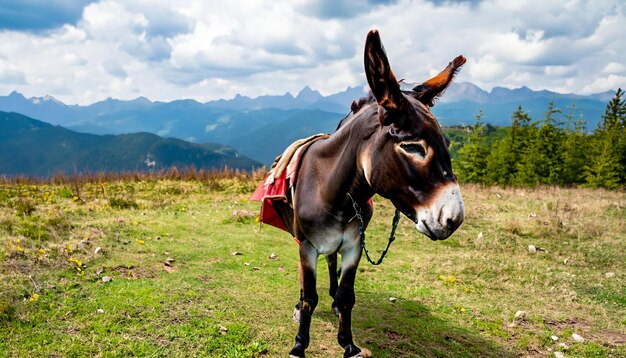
(165, 280)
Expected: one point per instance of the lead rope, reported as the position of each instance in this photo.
(392, 237)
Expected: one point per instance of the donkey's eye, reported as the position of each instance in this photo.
(415, 149)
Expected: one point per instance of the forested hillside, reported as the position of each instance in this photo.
(557, 149)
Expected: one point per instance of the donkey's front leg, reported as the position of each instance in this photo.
(345, 299)
(308, 299)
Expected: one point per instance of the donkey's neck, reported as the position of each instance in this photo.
(340, 168)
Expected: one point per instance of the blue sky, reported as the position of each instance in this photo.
(84, 51)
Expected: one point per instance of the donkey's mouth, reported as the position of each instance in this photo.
(428, 232)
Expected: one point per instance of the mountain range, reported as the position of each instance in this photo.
(262, 127)
(35, 148)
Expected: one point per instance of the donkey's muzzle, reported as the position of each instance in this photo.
(443, 216)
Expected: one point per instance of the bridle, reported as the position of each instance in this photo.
(392, 235)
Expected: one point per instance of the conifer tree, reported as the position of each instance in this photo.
(543, 162)
(472, 162)
(574, 152)
(607, 163)
(506, 153)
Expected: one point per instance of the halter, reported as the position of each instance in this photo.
(392, 237)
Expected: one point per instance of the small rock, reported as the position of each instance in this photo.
(563, 346)
(99, 271)
(80, 246)
(157, 238)
(566, 261)
(577, 338)
(532, 215)
(559, 355)
(243, 213)
(169, 261)
(256, 269)
(100, 310)
(554, 338)
(532, 248)
(366, 353)
(223, 330)
(246, 264)
(273, 256)
(97, 250)
(609, 274)
(512, 324)
(479, 237)
(236, 253)
(520, 315)
(392, 299)
(107, 279)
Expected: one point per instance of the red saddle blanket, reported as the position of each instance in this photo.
(281, 178)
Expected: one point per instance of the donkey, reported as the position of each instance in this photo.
(392, 146)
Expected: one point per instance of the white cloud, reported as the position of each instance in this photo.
(166, 50)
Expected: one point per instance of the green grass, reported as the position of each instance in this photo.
(455, 298)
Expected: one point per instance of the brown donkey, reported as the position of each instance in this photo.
(390, 145)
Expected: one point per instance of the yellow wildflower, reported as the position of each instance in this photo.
(34, 297)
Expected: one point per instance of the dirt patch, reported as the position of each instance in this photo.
(393, 336)
(607, 337)
(610, 338)
(133, 272)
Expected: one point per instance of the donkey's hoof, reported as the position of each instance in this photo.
(297, 351)
(335, 309)
(352, 351)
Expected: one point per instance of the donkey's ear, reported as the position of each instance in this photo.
(383, 83)
(428, 91)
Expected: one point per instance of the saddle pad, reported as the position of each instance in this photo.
(281, 177)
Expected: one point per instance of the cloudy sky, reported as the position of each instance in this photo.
(82, 51)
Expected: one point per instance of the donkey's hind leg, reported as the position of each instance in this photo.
(308, 296)
(331, 260)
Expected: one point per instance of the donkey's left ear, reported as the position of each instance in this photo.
(428, 91)
(380, 77)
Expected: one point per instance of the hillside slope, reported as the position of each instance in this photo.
(32, 147)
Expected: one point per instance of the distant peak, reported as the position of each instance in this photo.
(308, 95)
(141, 99)
(51, 99)
(16, 94)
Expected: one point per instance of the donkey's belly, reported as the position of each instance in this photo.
(334, 239)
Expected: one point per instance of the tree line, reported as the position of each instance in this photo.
(554, 150)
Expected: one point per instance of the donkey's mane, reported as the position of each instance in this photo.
(354, 108)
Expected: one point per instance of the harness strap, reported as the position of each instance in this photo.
(392, 237)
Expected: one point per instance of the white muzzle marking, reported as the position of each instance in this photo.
(439, 220)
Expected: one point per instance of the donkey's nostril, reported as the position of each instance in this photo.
(451, 225)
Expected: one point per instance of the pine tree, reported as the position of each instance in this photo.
(472, 162)
(506, 153)
(543, 162)
(607, 166)
(574, 153)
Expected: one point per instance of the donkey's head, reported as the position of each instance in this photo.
(407, 160)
